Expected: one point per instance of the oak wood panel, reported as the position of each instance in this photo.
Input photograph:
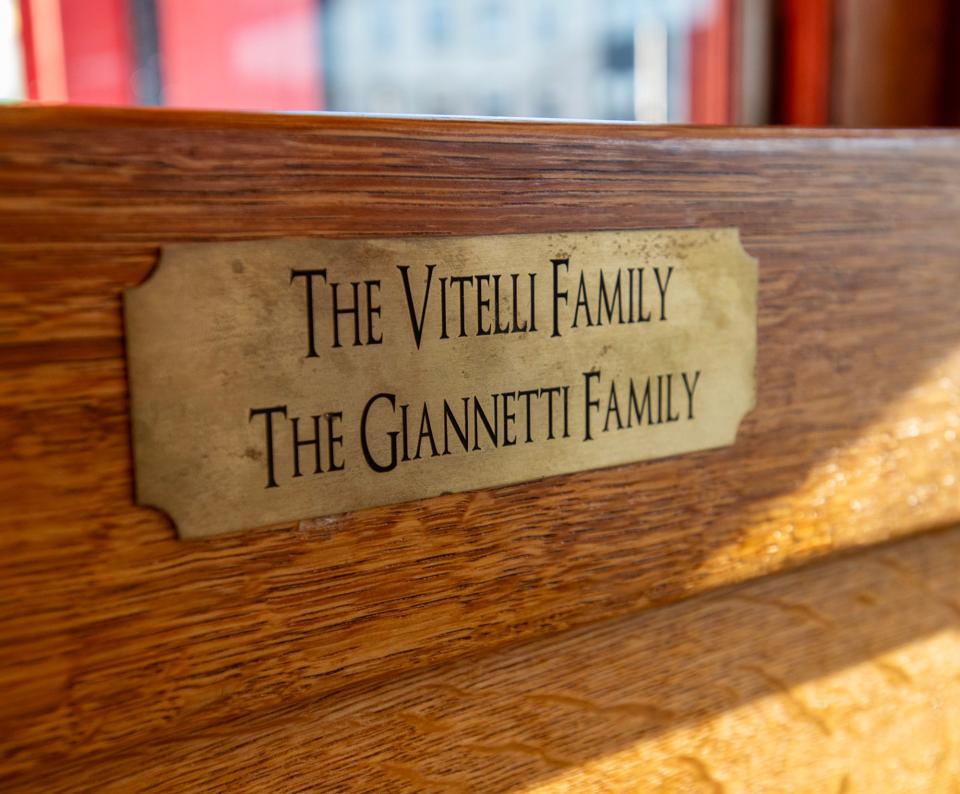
(843, 676)
(114, 633)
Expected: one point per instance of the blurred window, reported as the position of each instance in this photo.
(383, 25)
(12, 83)
(491, 24)
(438, 23)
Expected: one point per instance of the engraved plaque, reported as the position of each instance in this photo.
(288, 379)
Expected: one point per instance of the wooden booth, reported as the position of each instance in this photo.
(754, 589)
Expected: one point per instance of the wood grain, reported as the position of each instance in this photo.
(843, 676)
(114, 634)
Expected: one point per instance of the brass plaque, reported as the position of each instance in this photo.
(288, 379)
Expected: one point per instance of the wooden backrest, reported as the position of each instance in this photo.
(512, 637)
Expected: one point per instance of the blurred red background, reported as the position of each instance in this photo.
(810, 62)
